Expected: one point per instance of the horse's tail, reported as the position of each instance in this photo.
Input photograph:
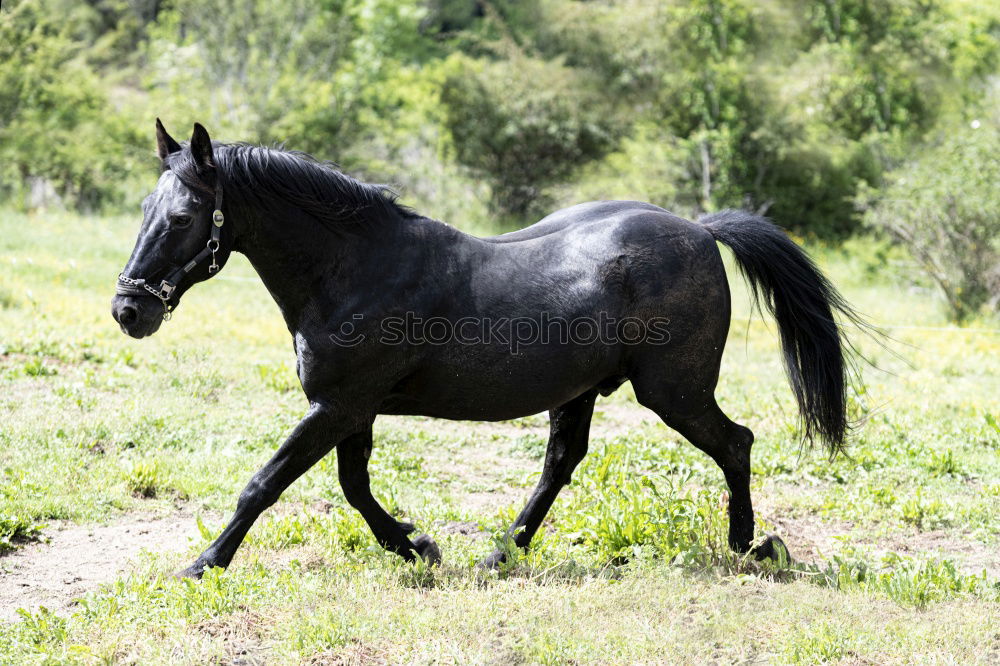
(802, 300)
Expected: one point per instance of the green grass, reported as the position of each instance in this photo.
(16, 529)
(632, 564)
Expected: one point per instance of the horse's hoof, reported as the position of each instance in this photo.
(774, 549)
(492, 561)
(195, 572)
(427, 549)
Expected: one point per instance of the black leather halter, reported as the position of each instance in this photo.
(128, 286)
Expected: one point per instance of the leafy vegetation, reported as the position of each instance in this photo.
(943, 208)
(525, 124)
(16, 529)
(144, 479)
(58, 137)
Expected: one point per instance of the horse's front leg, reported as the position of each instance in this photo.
(314, 437)
(352, 468)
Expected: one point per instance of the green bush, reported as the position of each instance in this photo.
(729, 133)
(61, 138)
(524, 124)
(246, 68)
(693, 104)
(943, 208)
(883, 56)
(312, 74)
(649, 165)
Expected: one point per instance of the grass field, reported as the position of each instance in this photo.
(897, 548)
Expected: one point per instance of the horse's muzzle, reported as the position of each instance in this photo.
(138, 316)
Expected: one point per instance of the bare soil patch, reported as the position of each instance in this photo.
(621, 417)
(814, 540)
(77, 559)
(970, 554)
(810, 539)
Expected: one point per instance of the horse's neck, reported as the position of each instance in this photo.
(299, 260)
(289, 253)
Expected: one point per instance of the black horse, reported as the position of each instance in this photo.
(394, 313)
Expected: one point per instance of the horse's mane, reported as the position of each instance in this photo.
(271, 176)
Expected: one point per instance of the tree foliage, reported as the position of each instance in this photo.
(60, 137)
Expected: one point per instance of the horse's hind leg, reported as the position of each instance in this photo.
(569, 430)
(728, 444)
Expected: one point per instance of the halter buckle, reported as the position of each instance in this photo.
(213, 247)
(218, 219)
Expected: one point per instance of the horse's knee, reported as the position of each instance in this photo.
(355, 492)
(258, 493)
(741, 444)
(560, 462)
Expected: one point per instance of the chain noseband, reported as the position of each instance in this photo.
(140, 287)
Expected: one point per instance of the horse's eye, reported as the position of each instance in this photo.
(180, 221)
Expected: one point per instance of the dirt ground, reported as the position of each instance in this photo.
(75, 560)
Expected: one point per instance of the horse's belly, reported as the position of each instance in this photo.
(456, 408)
(504, 391)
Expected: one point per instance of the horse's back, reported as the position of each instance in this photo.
(625, 260)
(628, 248)
(648, 264)
(584, 214)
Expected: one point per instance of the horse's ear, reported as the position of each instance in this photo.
(165, 143)
(201, 148)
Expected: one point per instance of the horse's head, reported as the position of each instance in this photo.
(182, 240)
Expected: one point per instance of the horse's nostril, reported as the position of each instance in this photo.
(127, 315)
